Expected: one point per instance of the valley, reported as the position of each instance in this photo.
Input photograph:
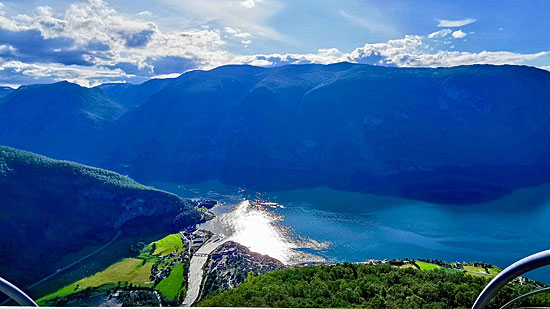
(72, 213)
(169, 271)
(162, 266)
(248, 173)
(275, 154)
(172, 266)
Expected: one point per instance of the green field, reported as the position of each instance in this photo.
(134, 271)
(170, 286)
(167, 245)
(128, 270)
(479, 275)
(495, 270)
(477, 269)
(427, 266)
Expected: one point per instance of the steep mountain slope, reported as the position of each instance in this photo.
(451, 135)
(131, 96)
(4, 91)
(50, 208)
(62, 120)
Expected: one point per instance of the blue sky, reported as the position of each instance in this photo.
(95, 41)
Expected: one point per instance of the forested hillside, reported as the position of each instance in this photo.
(372, 286)
(50, 208)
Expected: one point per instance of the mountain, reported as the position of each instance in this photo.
(451, 135)
(50, 208)
(61, 120)
(131, 96)
(4, 91)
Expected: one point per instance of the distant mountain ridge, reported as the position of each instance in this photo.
(132, 96)
(61, 120)
(451, 135)
(51, 208)
(4, 91)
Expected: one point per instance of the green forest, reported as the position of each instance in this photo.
(371, 286)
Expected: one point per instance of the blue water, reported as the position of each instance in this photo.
(363, 226)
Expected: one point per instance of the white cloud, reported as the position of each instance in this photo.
(248, 4)
(165, 76)
(455, 58)
(232, 13)
(459, 34)
(6, 48)
(13, 86)
(6, 23)
(128, 40)
(407, 52)
(391, 52)
(85, 76)
(440, 34)
(410, 52)
(323, 56)
(455, 23)
(236, 33)
(147, 14)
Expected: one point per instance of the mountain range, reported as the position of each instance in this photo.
(450, 135)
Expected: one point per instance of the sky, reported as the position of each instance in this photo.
(90, 42)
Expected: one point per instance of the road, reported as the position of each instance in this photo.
(68, 266)
(475, 272)
(74, 263)
(195, 268)
(188, 242)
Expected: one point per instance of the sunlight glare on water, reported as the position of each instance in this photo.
(256, 229)
(259, 230)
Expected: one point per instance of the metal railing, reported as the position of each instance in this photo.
(511, 272)
(16, 294)
(517, 299)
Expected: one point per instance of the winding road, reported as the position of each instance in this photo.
(74, 263)
(68, 266)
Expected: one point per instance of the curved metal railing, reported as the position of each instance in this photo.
(511, 272)
(515, 300)
(16, 294)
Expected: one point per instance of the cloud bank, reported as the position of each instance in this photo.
(410, 51)
(92, 43)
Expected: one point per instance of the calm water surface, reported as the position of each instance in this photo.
(361, 226)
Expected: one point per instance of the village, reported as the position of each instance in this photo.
(230, 264)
